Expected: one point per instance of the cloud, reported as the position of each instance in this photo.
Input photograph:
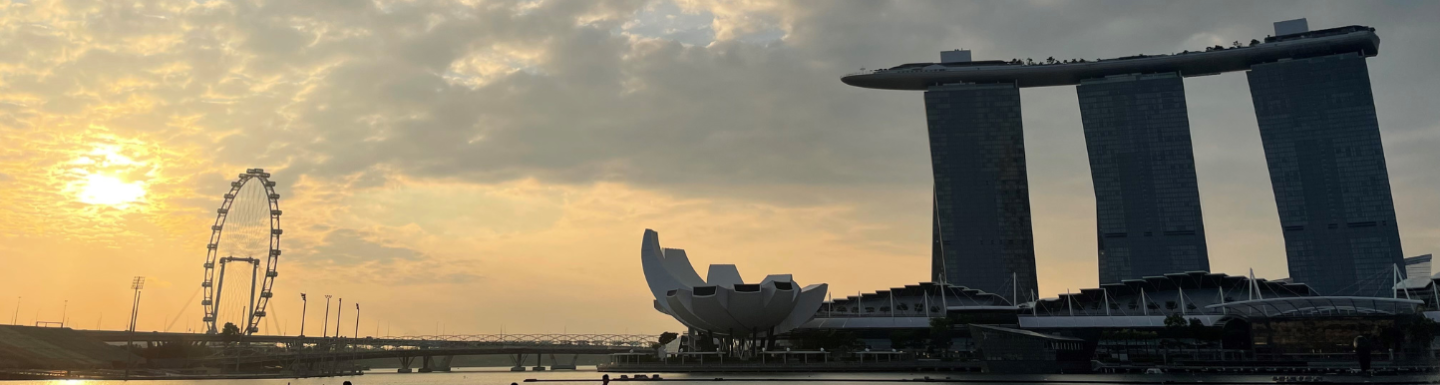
(434, 143)
(347, 247)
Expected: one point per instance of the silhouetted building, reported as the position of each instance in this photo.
(1327, 168)
(1147, 202)
(1317, 118)
(981, 227)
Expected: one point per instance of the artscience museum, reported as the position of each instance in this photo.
(723, 304)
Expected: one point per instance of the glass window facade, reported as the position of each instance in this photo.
(1327, 168)
(981, 227)
(1137, 133)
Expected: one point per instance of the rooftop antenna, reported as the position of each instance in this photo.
(940, 231)
(892, 304)
(1255, 286)
(1220, 296)
(1182, 300)
(1144, 303)
(1014, 289)
(1434, 293)
(1068, 304)
(1398, 283)
(927, 305)
(1107, 300)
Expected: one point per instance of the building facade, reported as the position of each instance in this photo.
(1147, 201)
(981, 227)
(1317, 119)
(1327, 168)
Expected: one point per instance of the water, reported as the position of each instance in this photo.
(502, 376)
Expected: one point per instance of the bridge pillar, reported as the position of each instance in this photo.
(556, 365)
(519, 360)
(539, 363)
(443, 363)
(435, 364)
(405, 363)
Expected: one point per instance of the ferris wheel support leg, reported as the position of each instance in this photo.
(250, 325)
(219, 288)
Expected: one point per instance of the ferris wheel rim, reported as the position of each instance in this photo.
(272, 256)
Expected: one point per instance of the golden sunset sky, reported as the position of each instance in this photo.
(481, 166)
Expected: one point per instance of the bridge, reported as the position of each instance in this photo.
(331, 354)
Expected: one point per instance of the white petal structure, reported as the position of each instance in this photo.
(723, 303)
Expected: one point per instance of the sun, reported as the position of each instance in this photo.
(101, 189)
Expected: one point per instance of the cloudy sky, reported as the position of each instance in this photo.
(481, 166)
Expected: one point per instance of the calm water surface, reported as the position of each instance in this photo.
(502, 376)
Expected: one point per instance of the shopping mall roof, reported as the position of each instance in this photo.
(1319, 306)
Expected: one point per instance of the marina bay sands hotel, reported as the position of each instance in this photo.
(1316, 115)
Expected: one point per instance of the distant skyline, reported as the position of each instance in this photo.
(489, 165)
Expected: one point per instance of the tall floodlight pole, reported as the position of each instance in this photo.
(339, 308)
(304, 305)
(357, 320)
(324, 328)
(136, 284)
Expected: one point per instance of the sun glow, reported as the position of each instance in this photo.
(100, 189)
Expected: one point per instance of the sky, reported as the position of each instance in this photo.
(490, 166)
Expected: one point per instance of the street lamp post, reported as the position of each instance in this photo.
(340, 308)
(303, 306)
(335, 358)
(136, 284)
(326, 326)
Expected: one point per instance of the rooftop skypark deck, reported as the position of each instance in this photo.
(920, 76)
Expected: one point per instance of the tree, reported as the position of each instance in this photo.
(830, 340)
(1175, 321)
(1170, 305)
(667, 337)
(230, 332)
(903, 338)
(1254, 42)
(940, 333)
(230, 329)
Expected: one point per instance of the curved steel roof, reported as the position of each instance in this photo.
(917, 77)
(1327, 305)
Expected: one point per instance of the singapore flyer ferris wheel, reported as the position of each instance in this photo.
(249, 220)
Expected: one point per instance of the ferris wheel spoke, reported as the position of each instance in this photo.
(250, 212)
